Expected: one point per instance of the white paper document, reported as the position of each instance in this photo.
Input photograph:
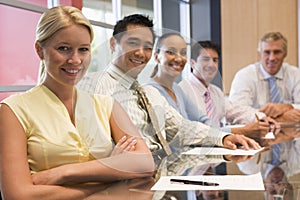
(225, 182)
(221, 151)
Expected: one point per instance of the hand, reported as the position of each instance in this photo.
(47, 177)
(232, 141)
(292, 115)
(284, 135)
(274, 126)
(256, 129)
(270, 120)
(275, 109)
(124, 144)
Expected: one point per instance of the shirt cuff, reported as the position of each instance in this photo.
(296, 106)
(216, 136)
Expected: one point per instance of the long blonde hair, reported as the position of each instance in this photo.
(54, 20)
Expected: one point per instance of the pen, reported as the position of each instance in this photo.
(189, 182)
(257, 117)
(261, 120)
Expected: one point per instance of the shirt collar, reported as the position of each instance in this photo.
(269, 167)
(120, 76)
(198, 83)
(266, 75)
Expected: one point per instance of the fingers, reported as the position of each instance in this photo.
(271, 109)
(121, 141)
(252, 144)
(271, 125)
(292, 115)
(266, 109)
(233, 141)
(126, 144)
(272, 121)
(263, 126)
(257, 129)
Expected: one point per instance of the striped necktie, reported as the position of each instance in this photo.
(210, 107)
(144, 104)
(276, 150)
(275, 96)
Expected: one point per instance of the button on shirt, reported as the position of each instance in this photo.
(179, 131)
(250, 85)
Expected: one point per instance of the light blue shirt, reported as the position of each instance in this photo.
(183, 104)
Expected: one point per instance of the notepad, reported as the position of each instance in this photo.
(226, 182)
(221, 151)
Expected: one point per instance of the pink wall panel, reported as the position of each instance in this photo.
(19, 63)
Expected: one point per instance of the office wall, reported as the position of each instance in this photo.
(200, 20)
(19, 63)
(170, 15)
(244, 22)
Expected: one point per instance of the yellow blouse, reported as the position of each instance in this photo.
(52, 138)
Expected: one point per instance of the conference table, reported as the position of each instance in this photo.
(280, 181)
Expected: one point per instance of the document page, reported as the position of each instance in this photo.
(215, 182)
(221, 151)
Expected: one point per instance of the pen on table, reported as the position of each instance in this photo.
(190, 182)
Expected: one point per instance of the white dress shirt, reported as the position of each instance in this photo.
(250, 85)
(289, 159)
(234, 114)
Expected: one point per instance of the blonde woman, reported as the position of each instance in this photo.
(55, 139)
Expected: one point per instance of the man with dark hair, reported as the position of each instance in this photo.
(136, 19)
(198, 47)
(161, 126)
(204, 62)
